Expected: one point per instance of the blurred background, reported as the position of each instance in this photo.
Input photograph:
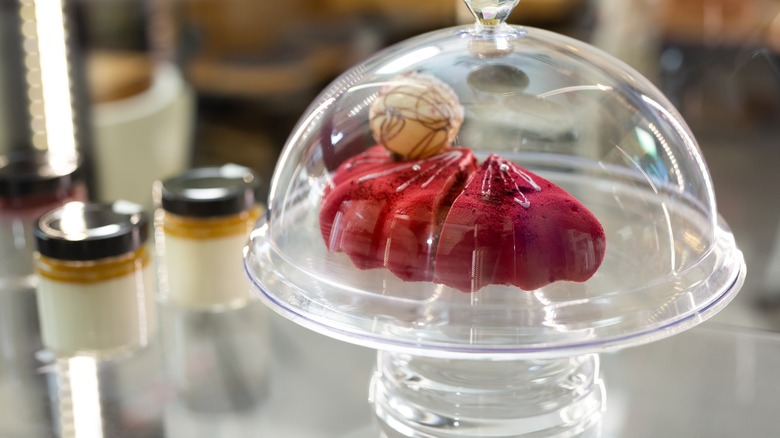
(149, 88)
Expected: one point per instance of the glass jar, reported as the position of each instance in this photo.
(96, 286)
(212, 332)
(31, 183)
(203, 224)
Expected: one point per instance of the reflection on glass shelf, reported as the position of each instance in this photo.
(216, 362)
(94, 397)
(78, 394)
(715, 380)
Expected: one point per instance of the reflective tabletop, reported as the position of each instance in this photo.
(249, 373)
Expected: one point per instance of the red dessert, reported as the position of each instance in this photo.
(386, 213)
(443, 219)
(510, 226)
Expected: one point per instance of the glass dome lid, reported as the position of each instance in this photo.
(493, 189)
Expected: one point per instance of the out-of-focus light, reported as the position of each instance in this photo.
(80, 412)
(564, 90)
(406, 61)
(646, 142)
(48, 80)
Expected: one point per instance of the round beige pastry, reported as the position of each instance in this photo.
(415, 116)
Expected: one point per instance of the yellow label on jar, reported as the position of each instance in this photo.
(93, 271)
(209, 228)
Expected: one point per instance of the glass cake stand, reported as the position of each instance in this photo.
(492, 358)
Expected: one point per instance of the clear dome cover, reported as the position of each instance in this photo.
(493, 190)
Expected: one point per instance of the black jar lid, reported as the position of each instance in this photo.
(31, 172)
(211, 191)
(81, 231)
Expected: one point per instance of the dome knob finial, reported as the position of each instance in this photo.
(491, 13)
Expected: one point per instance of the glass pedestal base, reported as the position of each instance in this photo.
(425, 397)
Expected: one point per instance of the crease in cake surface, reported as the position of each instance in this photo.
(510, 226)
(387, 213)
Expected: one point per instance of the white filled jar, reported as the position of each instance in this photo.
(204, 220)
(96, 288)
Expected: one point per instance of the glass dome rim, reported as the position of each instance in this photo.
(448, 351)
(728, 290)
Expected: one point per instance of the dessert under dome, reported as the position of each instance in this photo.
(493, 190)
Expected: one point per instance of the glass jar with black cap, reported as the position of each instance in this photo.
(96, 286)
(203, 222)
